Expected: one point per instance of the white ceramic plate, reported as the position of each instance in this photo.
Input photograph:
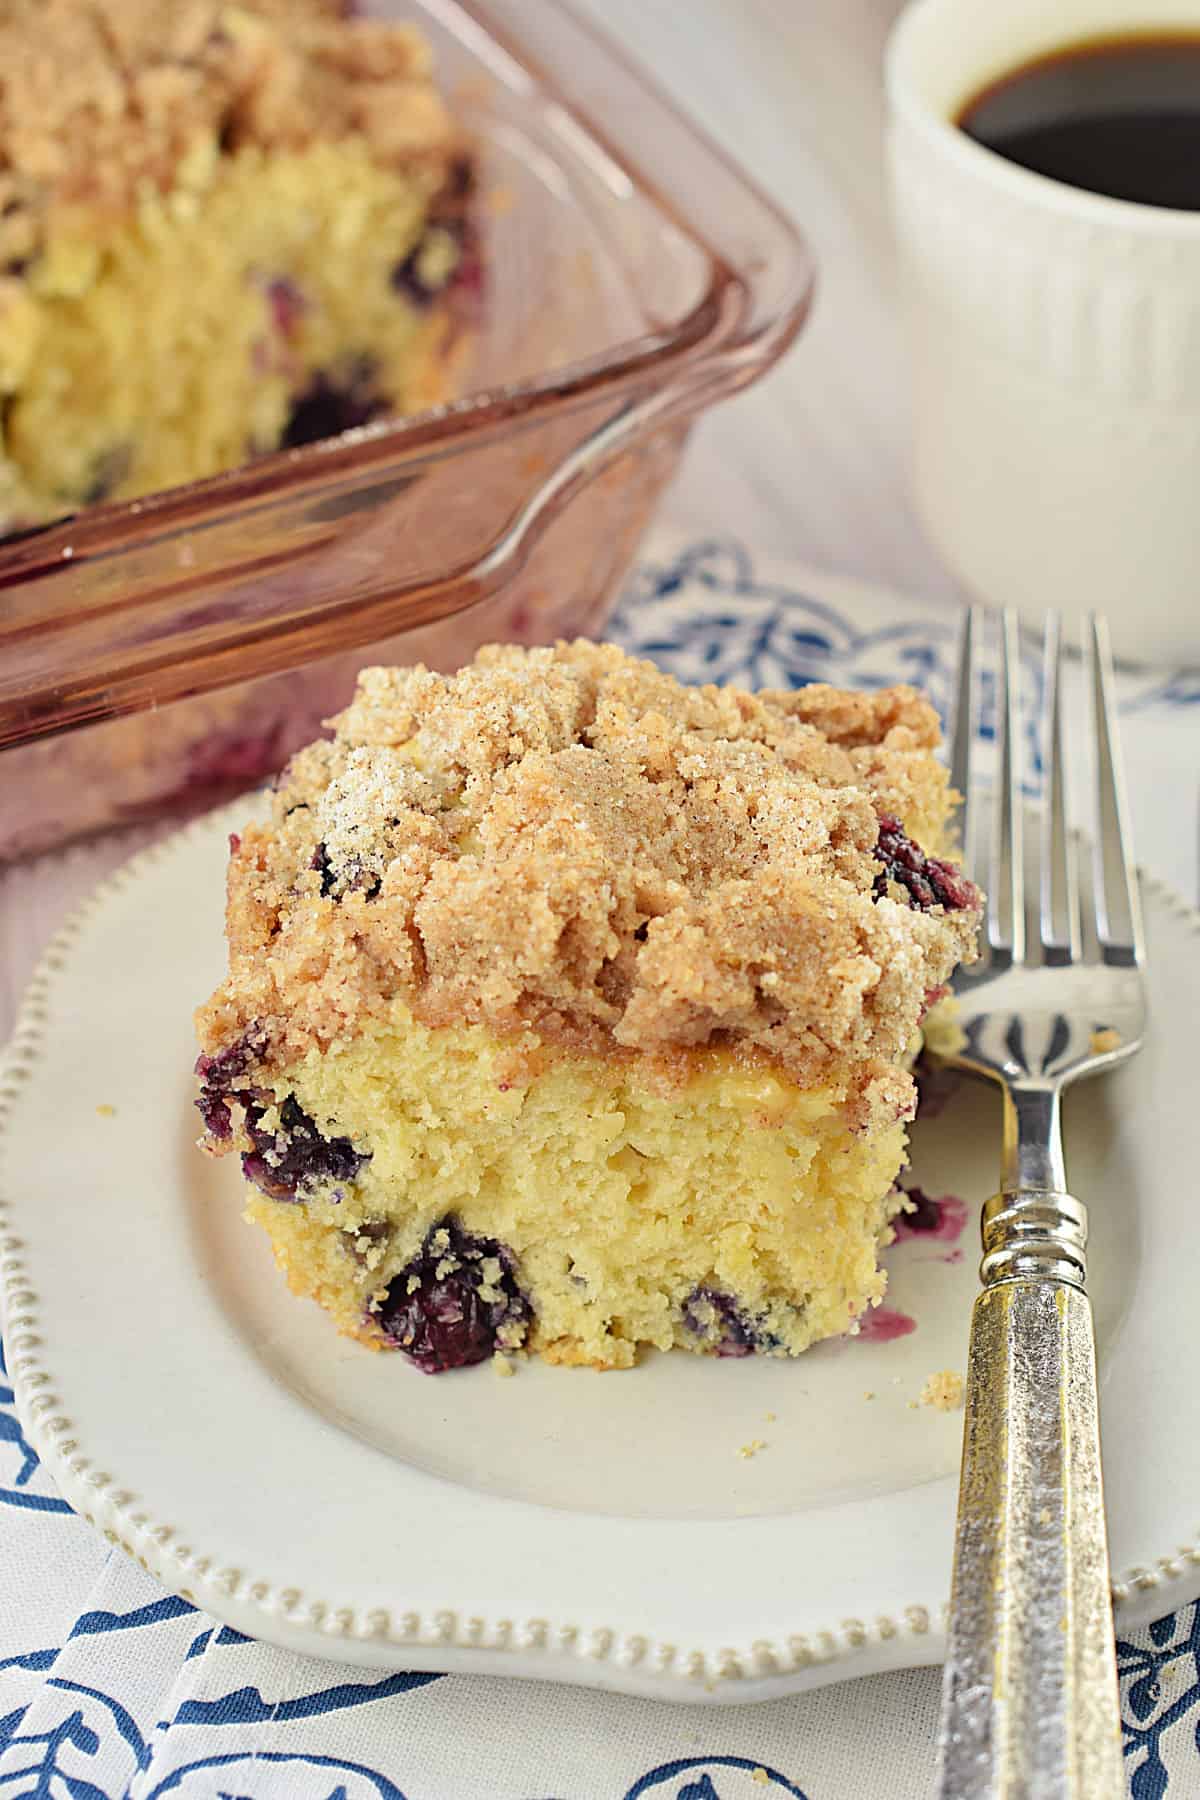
(561, 1524)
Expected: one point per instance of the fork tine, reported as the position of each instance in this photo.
(1006, 883)
(1059, 898)
(964, 826)
(1118, 908)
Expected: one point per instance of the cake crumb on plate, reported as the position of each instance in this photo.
(943, 1390)
(746, 1451)
(104, 1111)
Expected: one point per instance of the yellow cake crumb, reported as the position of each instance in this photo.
(941, 1030)
(1105, 1040)
(760, 1776)
(868, 1393)
(502, 1365)
(943, 1390)
(752, 1448)
(104, 1111)
(769, 1417)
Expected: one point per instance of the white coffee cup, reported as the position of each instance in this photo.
(1056, 342)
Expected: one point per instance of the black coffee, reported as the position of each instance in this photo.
(1117, 116)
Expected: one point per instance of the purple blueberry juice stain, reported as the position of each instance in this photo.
(934, 1219)
(928, 880)
(955, 1213)
(884, 1323)
(443, 1312)
(938, 1220)
(925, 1214)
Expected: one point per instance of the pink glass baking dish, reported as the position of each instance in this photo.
(156, 653)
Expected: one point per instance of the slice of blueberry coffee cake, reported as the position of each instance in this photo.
(224, 229)
(571, 1009)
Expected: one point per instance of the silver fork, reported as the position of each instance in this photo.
(1029, 1702)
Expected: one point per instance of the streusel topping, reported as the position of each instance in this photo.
(572, 842)
(102, 100)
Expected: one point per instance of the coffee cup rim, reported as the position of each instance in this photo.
(907, 103)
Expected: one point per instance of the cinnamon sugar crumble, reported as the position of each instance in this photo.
(569, 844)
(100, 103)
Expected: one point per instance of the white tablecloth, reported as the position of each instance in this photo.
(110, 1688)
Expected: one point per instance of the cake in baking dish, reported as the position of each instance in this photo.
(570, 1009)
(224, 229)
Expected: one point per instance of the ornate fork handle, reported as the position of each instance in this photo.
(1031, 1682)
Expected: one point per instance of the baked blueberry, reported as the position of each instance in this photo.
(720, 1321)
(450, 1306)
(929, 881)
(223, 1078)
(288, 1162)
(334, 402)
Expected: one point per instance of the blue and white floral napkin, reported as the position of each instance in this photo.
(112, 1690)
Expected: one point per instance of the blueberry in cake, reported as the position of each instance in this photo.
(224, 229)
(572, 1009)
